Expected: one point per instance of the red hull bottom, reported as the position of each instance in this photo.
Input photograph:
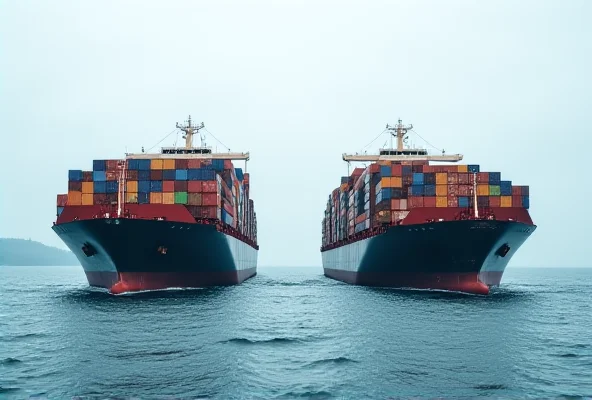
(139, 281)
(457, 282)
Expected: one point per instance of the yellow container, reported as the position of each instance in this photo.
(482, 190)
(385, 182)
(168, 198)
(88, 187)
(131, 197)
(132, 186)
(74, 198)
(442, 190)
(441, 201)
(168, 164)
(87, 199)
(506, 201)
(441, 178)
(155, 198)
(396, 182)
(156, 164)
(463, 168)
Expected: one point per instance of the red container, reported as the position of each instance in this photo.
(209, 212)
(452, 201)
(516, 201)
(463, 178)
(131, 175)
(465, 190)
(210, 199)
(228, 207)
(74, 186)
(87, 176)
(180, 186)
(407, 180)
(62, 200)
(453, 190)
(193, 164)
(168, 186)
(429, 201)
(516, 190)
(453, 178)
(415, 202)
(194, 199)
(194, 186)
(374, 168)
(396, 170)
(156, 174)
(210, 186)
(181, 164)
(428, 169)
(495, 201)
(111, 165)
(483, 177)
(228, 165)
(111, 175)
(357, 172)
(100, 198)
(395, 204)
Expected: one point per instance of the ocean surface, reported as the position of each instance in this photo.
(292, 333)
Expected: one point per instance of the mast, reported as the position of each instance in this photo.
(476, 209)
(190, 130)
(401, 132)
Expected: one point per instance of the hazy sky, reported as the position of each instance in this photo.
(297, 83)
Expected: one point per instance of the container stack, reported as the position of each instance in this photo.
(209, 189)
(385, 192)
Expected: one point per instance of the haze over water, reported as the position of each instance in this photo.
(292, 333)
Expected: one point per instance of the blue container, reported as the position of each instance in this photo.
(473, 168)
(195, 174)
(60, 210)
(210, 175)
(156, 186)
(385, 170)
(495, 178)
(239, 175)
(99, 165)
(169, 174)
(100, 187)
(430, 190)
(144, 165)
(417, 190)
(218, 165)
(181, 174)
(406, 169)
(111, 186)
(143, 175)
(463, 202)
(143, 198)
(133, 164)
(386, 194)
(75, 175)
(506, 188)
(99, 176)
(526, 202)
(418, 178)
(144, 186)
(396, 193)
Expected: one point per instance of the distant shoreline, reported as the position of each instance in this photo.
(29, 253)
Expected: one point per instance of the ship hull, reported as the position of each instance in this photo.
(467, 256)
(133, 254)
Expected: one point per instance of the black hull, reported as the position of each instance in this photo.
(134, 254)
(468, 256)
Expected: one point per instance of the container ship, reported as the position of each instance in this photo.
(181, 218)
(414, 220)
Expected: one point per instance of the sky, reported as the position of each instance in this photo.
(297, 83)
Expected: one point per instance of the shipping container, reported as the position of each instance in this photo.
(483, 201)
(482, 190)
(144, 175)
(87, 199)
(155, 198)
(132, 165)
(429, 201)
(441, 201)
(452, 201)
(239, 174)
(59, 211)
(442, 190)
(111, 165)
(168, 198)
(156, 164)
(416, 190)
(131, 175)
(463, 202)
(75, 175)
(209, 186)
(87, 176)
(506, 201)
(143, 198)
(99, 176)
(74, 198)
(463, 168)
(131, 197)
(441, 178)
(396, 170)
(526, 201)
(111, 175)
(483, 178)
(131, 186)
(62, 200)
(418, 178)
(143, 186)
(180, 197)
(417, 168)
(168, 186)
(506, 188)
(194, 199)
(112, 187)
(168, 164)
(155, 186)
(453, 190)
(415, 202)
(494, 178)
(385, 171)
(182, 164)
(473, 168)
(144, 165)
(75, 186)
(87, 187)
(406, 169)
(429, 190)
(100, 187)
(495, 201)
(494, 190)
(181, 186)
(452, 178)
(99, 165)
(397, 182)
(156, 175)
(210, 199)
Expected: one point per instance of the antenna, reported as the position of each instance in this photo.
(189, 130)
(401, 133)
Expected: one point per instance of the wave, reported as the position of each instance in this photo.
(490, 387)
(8, 389)
(338, 360)
(147, 354)
(244, 341)
(308, 395)
(568, 355)
(10, 360)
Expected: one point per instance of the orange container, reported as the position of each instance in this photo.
(168, 198)
(132, 186)
(168, 164)
(74, 198)
(441, 190)
(441, 178)
(385, 182)
(87, 199)
(396, 182)
(156, 164)
(482, 190)
(88, 188)
(155, 198)
(441, 201)
(131, 197)
(463, 168)
(506, 201)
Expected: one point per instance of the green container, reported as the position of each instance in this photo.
(495, 190)
(180, 197)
